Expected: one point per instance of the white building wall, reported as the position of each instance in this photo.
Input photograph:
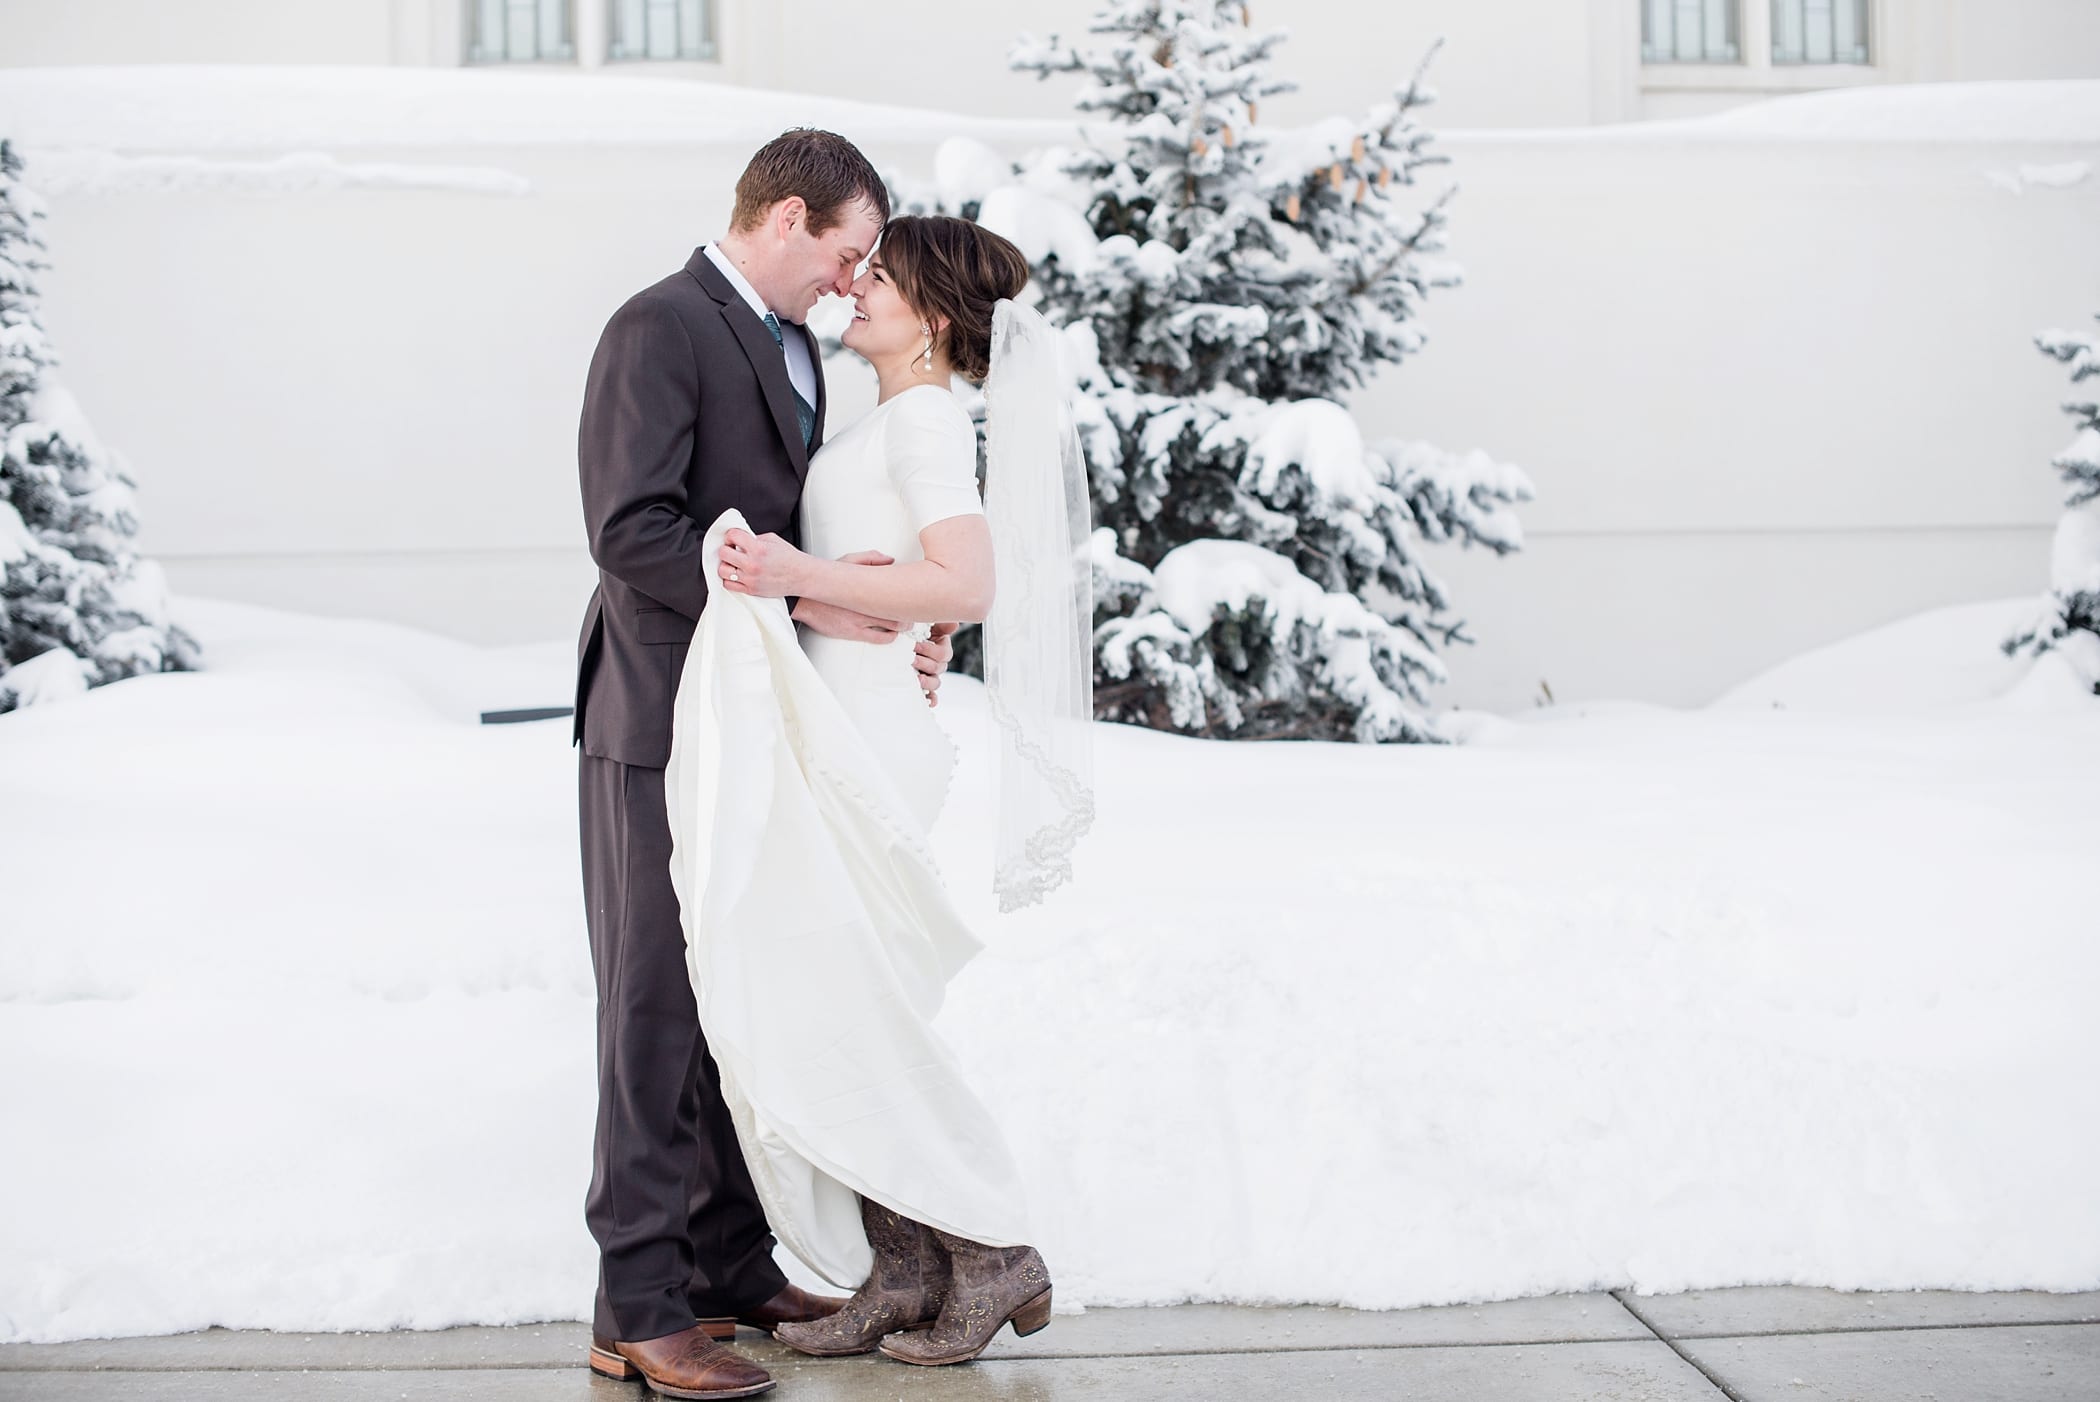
(1771, 392)
(45, 32)
(1504, 63)
(1912, 41)
(2021, 39)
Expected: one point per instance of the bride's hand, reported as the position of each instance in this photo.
(764, 566)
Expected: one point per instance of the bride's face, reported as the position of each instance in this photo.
(884, 327)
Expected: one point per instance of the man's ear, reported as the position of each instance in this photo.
(790, 214)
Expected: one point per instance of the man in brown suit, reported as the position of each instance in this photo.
(704, 393)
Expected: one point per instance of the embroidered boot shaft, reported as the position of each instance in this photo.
(987, 1287)
(904, 1290)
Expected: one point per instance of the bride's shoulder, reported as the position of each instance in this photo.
(929, 412)
(928, 437)
(930, 447)
(928, 404)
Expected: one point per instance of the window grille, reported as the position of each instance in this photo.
(520, 31)
(1691, 31)
(663, 29)
(1819, 31)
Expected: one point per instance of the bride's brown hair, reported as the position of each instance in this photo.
(952, 269)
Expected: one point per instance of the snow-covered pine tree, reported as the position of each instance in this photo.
(1258, 567)
(2070, 620)
(78, 607)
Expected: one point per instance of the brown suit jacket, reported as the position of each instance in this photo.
(688, 411)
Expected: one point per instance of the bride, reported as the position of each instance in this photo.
(806, 772)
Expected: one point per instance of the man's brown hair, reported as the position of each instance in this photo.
(824, 168)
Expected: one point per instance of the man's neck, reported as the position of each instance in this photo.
(741, 254)
(733, 244)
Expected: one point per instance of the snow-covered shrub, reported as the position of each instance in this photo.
(78, 607)
(2070, 620)
(1221, 287)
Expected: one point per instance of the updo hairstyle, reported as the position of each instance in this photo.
(951, 268)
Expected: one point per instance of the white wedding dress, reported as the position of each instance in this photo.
(804, 776)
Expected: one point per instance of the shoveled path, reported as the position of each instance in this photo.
(1759, 1344)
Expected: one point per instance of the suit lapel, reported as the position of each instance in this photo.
(765, 357)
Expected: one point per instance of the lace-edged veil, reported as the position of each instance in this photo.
(1039, 655)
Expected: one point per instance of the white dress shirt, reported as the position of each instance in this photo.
(802, 370)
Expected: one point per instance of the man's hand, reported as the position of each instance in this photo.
(932, 657)
(835, 622)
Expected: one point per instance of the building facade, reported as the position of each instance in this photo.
(1504, 63)
(1773, 389)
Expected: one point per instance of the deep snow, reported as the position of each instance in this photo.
(295, 1008)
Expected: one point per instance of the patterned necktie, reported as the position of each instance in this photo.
(805, 417)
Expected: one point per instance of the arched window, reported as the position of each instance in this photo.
(1819, 31)
(520, 31)
(663, 29)
(1691, 31)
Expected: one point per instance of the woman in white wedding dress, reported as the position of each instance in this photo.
(806, 772)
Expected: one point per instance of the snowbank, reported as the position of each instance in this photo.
(260, 107)
(2053, 110)
(1946, 657)
(2066, 110)
(297, 172)
(256, 107)
(297, 1011)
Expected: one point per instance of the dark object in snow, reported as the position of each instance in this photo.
(529, 713)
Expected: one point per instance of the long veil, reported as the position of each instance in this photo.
(1039, 655)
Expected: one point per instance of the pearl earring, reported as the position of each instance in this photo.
(927, 332)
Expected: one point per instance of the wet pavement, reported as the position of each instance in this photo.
(1757, 1344)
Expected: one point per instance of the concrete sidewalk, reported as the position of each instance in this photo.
(1751, 1345)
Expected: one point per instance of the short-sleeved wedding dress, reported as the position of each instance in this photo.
(804, 776)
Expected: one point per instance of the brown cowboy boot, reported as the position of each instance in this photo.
(793, 1305)
(684, 1364)
(987, 1286)
(905, 1289)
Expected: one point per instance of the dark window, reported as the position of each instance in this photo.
(1690, 31)
(662, 29)
(1819, 31)
(520, 31)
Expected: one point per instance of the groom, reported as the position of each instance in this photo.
(705, 393)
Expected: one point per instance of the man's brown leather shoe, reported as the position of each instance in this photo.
(794, 1305)
(685, 1364)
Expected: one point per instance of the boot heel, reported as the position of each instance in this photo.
(1032, 1316)
(612, 1365)
(720, 1330)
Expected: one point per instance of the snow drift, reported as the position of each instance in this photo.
(296, 1008)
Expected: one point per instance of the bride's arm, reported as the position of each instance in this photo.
(952, 584)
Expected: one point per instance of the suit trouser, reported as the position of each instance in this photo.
(679, 1227)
